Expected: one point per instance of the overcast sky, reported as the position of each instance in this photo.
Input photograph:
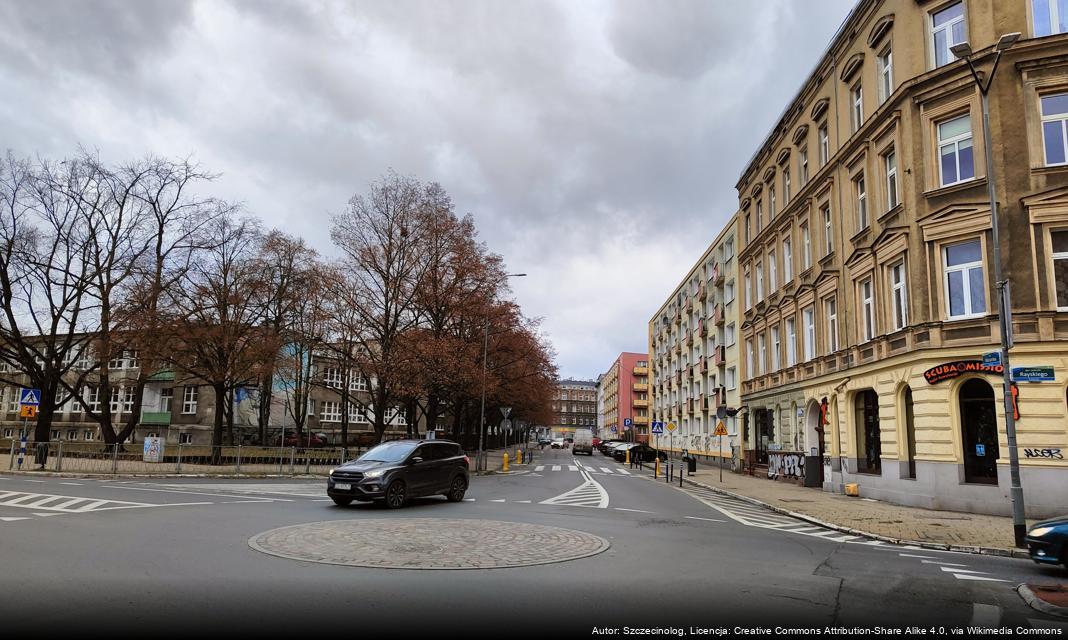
(596, 143)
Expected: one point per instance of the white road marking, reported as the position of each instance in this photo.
(469, 499)
(606, 470)
(497, 500)
(983, 578)
(939, 562)
(556, 467)
(956, 571)
(985, 615)
(72, 484)
(46, 515)
(572, 467)
(911, 555)
(705, 519)
(588, 494)
(540, 467)
(27, 480)
(523, 501)
(632, 510)
(13, 519)
(624, 472)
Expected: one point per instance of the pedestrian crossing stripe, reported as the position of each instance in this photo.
(64, 504)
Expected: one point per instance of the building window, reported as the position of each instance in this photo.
(748, 226)
(828, 240)
(785, 186)
(791, 342)
(965, 285)
(772, 207)
(728, 292)
(732, 377)
(832, 325)
(787, 261)
(189, 400)
(116, 400)
(729, 335)
(1055, 127)
(728, 250)
(759, 281)
(749, 358)
(166, 397)
(763, 352)
(869, 437)
(92, 398)
(806, 247)
(88, 435)
(1060, 267)
(802, 164)
(332, 378)
(330, 411)
(861, 193)
(185, 438)
(808, 315)
(825, 145)
(899, 294)
(890, 160)
(956, 159)
(775, 349)
(53, 434)
(886, 74)
(856, 96)
(759, 216)
(773, 269)
(1051, 16)
(867, 305)
(748, 291)
(947, 29)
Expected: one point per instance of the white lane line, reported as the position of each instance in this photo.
(46, 515)
(939, 562)
(956, 571)
(985, 615)
(556, 467)
(540, 467)
(983, 578)
(41, 481)
(72, 484)
(705, 519)
(197, 493)
(12, 519)
(523, 501)
(469, 499)
(623, 471)
(497, 500)
(632, 510)
(912, 555)
(572, 467)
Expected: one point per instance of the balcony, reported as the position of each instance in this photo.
(641, 371)
(687, 339)
(156, 417)
(702, 292)
(704, 365)
(702, 328)
(719, 355)
(641, 403)
(689, 405)
(641, 386)
(717, 274)
(641, 419)
(719, 397)
(689, 305)
(678, 377)
(717, 314)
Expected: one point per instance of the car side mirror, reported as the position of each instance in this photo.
(416, 460)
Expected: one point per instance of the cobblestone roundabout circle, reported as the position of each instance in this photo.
(427, 543)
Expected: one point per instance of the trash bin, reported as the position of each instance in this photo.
(691, 463)
(40, 455)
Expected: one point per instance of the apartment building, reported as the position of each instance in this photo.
(693, 344)
(574, 406)
(626, 397)
(600, 429)
(867, 263)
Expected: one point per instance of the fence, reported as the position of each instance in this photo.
(89, 457)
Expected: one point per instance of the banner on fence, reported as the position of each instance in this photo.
(153, 450)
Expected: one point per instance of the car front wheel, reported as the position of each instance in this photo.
(396, 494)
(457, 489)
(341, 502)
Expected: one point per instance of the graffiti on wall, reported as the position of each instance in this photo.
(1052, 454)
(786, 465)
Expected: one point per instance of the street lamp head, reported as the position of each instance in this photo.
(1007, 40)
(961, 50)
(515, 275)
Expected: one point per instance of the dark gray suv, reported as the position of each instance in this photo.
(394, 472)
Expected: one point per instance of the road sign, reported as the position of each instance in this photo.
(721, 430)
(1033, 374)
(980, 449)
(671, 426)
(30, 397)
(721, 411)
(992, 359)
(657, 428)
(613, 429)
(505, 411)
(627, 422)
(28, 411)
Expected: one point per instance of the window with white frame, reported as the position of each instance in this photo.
(728, 250)
(825, 144)
(117, 362)
(749, 358)
(1051, 16)
(357, 413)
(947, 29)
(791, 342)
(127, 399)
(831, 305)
(1060, 267)
(72, 434)
(116, 399)
(88, 435)
(856, 112)
(9, 433)
(828, 238)
(773, 269)
(860, 193)
(956, 159)
(166, 397)
(732, 377)
(886, 74)
(899, 295)
(759, 281)
(330, 411)
(787, 260)
(772, 203)
(806, 247)
(775, 346)
(13, 399)
(785, 186)
(357, 382)
(890, 162)
(964, 280)
(1055, 128)
(808, 316)
(189, 400)
(748, 291)
(802, 164)
(729, 335)
(332, 377)
(867, 314)
(759, 216)
(748, 226)
(185, 438)
(728, 292)
(53, 434)
(92, 398)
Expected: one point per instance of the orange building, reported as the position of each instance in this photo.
(626, 397)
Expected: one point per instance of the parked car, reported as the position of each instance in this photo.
(311, 440)
(1047, 541)
(606, 446)
(548, 441)
(394, 472)
(559, 443)
(620, 452)
(645, 453)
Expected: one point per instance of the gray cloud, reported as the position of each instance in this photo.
(596, 143)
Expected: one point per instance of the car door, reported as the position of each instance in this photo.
(419, 475)
(444, 465)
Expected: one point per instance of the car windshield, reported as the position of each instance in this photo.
(388, 452)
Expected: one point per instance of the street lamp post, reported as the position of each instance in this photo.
(1004, 289)
(480, 463)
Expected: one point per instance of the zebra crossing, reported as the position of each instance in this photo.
(44, 505)
(591, 469)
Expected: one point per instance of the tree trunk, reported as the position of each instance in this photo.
(264, 413)
(135, 414)
(230, 416)
(217, 426)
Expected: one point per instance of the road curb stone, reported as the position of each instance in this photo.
(1038, 604)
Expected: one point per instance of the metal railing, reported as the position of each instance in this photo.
(129, 459)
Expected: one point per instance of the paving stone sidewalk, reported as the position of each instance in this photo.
(899, 523)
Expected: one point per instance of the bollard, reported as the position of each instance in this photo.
(519, 457)
(627, 454)
(656, 468)
(504, 465)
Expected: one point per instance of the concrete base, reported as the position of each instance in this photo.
(941, 486)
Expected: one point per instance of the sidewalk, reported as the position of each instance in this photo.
(495, 460)
(974, 533)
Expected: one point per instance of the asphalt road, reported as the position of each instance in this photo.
(172, 557)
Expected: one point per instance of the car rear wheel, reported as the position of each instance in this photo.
(457, 489)
(396, 494)
(341, 502)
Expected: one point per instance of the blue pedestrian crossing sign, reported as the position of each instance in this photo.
(30, 397)
(657, 428)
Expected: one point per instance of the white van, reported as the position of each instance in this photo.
(583, 442)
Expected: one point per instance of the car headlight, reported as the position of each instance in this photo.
(1039, 532)
(374, 474)
(331, 472)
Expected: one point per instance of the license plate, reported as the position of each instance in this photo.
(342, 486)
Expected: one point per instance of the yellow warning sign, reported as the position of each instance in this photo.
(28, 411)
(721, 430)
(671, 426)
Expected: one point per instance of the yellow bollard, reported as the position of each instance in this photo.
(656, 470)
(519, 457)
(504, 467)
(627, 461)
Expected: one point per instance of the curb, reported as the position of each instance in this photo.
(105, 476)
(986, 551)
(1038, 604)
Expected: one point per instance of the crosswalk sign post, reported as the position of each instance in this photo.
(29, 400)
(721, 430)
(657, 429)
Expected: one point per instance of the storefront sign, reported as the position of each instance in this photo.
(1033, 374)
(951, 370)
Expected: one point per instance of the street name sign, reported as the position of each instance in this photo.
(1033, 374)
(992, 359)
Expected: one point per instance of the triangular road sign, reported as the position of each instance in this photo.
(721, 430)
(505, 411)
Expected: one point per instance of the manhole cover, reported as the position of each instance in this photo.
(427, 543)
